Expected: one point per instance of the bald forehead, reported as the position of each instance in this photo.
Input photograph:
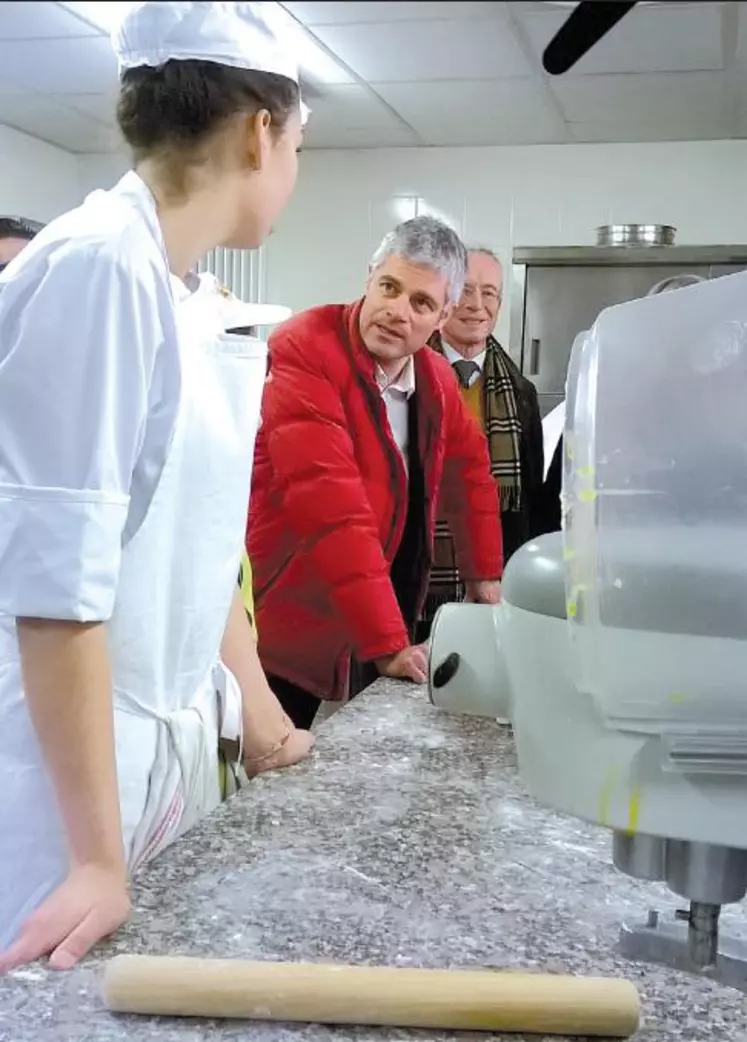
(484, 270)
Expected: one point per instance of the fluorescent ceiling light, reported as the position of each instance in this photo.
(104, 15)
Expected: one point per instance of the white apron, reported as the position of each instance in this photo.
(172, 696)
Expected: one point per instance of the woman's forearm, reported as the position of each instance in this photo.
(67, 681)
(264, 720)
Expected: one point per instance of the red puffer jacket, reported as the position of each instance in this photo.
(329, 499)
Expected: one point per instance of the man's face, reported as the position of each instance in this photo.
(404, 305)
(9, 249)
(477, 313)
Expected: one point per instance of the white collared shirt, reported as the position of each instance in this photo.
(452, 356)
(396, 394)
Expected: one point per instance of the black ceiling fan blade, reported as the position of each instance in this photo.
(589, 22)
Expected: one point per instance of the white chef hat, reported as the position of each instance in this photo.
(240, 35)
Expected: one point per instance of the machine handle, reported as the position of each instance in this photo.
(534, 356)
(447, 670)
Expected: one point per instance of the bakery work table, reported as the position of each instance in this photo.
(409, 840)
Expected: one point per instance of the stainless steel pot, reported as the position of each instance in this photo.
(636, 235)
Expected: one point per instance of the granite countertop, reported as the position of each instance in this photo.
(408, 841)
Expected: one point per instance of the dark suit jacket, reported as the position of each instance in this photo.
(522, 525)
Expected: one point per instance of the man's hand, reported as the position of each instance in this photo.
(482, 592)
(92, 903)
(409, 664)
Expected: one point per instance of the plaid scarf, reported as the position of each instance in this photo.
(503, 431)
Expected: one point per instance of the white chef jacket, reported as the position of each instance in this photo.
(126, 439)
(86, 325)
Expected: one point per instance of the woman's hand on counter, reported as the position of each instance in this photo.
(409, 664)
(92, 903)
(295, 748)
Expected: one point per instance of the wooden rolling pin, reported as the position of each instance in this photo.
(328, 994)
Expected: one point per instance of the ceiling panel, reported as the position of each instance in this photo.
(105, 15)
(74, 66)
(51, 121)
(429, 50)
(352, 113)
(500, 112)
(454, 72)
(339, 12)
(671, 38)
(611, 99)
(10, 89)
(394, 136)
(350, 106)
(101, 106)
(32, 20)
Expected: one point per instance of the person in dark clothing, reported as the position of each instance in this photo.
(505, 404)
(549, 512)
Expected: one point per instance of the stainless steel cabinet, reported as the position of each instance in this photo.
(557, 293)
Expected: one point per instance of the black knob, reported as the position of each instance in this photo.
(447, 670)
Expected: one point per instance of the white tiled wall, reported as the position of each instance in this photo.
(36, 180)
(499, 197)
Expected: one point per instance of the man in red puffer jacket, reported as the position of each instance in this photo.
(364, 432)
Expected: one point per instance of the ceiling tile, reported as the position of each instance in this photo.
(104, 15)
(499, 112)
(352, 117)
(649, 99)
(53, 122)
(350, 108)
(343, 12)
(429, 50)
(11, 89)
(39, 20)
(670, 38)
(74, 66)
(101, 106)
(395, 136)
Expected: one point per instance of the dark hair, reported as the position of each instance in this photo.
(19, 228)
(172, 112)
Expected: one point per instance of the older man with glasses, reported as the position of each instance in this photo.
(505, 405)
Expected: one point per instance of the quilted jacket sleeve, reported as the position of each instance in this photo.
(469, 496)
(312, 455)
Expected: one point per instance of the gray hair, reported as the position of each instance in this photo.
(486, 252)
(675, 282)
(431, 243)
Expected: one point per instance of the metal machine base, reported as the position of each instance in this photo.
(669, 943)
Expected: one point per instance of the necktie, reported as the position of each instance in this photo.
(465, 370)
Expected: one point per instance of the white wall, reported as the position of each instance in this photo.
(36, 180)
(498, 197)
(101, 171)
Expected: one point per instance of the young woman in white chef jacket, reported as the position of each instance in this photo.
(126, 439)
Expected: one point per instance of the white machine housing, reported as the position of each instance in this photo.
(620, 648)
